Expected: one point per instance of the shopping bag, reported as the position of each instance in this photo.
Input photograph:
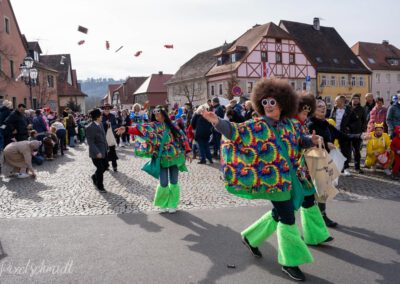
(338, 158)
(110, 137)
(323, 172)
(153, 167)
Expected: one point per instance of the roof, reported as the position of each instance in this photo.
(324, 48)
(113, 87)
(196, 67)
(55, 61)
(40, 65)
(154, 84)
(246, 43)
(376, 55)
(34, 45)
(130, 87)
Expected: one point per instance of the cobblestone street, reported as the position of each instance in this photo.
(64, 188)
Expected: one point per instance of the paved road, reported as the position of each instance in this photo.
(195, 247)
(64, 188)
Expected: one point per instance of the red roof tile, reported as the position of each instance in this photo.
(376, 55)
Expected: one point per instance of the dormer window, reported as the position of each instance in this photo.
(222, 59)
(36, 56)
(393, 61)
(319, 59)
(352, 61)
(335, 60)
(371, 60)
(236, 57)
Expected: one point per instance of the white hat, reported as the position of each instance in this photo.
(7, 104)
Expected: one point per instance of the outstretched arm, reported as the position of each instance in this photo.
(221, 125)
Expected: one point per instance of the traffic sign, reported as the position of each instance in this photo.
(236, 91)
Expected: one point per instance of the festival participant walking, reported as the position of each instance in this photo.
(109, 121)
(203, 130)
(260, 160)
(315, 231)
(329, 133)
(173, 153)
(96, 139)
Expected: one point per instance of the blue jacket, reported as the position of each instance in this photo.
(39, 125)
(393, 117)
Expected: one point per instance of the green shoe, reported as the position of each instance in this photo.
(314, 228)
(174, 197)
(292, 251)
(260, 230)
(162, 197)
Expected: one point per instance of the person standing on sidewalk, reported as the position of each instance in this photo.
(202, 134)
(109, 121)
(96, 139)
(257, 164)
(219, 111)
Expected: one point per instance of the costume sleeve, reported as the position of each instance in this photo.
(387, 140)
(369, 147)
(226, 128)
(132, 130)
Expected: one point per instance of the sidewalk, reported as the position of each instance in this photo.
(194, 247)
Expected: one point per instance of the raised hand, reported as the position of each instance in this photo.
(210, 116)
(315, 138)
(120, 130)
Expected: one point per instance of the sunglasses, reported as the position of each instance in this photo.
(270, 102)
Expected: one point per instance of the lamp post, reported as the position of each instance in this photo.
(29, 75)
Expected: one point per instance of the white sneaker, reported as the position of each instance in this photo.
(22, 175)
(346, 173)
(122, 146)
(163, 210)
(127, 144)
(171, 210)
(388, 172)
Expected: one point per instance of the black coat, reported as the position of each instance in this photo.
(361, 117)
(202, 127)
(219, 111)
(16, 121)
(350, 123)
(4, 113)
(328, 132)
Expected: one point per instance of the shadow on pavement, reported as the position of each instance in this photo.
(119, 203)
(32, 188)
(223, 247)
(2, 253)
(388, 271)
(371, 237)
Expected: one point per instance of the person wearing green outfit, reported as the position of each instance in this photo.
(149, 137)
(315, 231)
(260, 159)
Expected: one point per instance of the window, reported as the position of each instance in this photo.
(1, 99)
(388, 77)
(333, 81)
(352, 61)
(293, 84)
(393, 61)
(361, 81)
(1, 64)
(7, 25)
(371, 60)
(319, 59)
(12, 69)
(343, 81)
(220, 89)
(378, 77)
(335, 60)
(323, 81)
(236, 57)
(36, 56)
(50, 81)
(25, 101)
(249, 87)
(264, 57)
(292, 58)
(353, 81)
(34, 103)
(278, 57)
(212, 90)
(14, 102)
(278, 40)
(378, 94)
(304, 86)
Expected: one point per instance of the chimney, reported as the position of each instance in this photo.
(160, 72)
(256, 25)
(316, 24)
(385, 42)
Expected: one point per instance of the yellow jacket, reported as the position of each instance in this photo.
(376, 144)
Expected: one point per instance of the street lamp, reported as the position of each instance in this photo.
(29, 75)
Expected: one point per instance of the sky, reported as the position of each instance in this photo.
(192, 26)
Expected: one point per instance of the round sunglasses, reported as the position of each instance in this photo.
(270, 102)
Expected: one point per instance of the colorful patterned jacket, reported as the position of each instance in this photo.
(251, 159)
(148, 137)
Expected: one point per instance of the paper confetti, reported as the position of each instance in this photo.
(81, 42)
(138, 53)
(119, 48)
(82, 29)
(169, 46)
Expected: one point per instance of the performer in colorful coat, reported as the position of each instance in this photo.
(148, 139)
(315, 231)
(260, 159)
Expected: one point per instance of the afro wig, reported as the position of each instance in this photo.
(278, 89)
(307, 102)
